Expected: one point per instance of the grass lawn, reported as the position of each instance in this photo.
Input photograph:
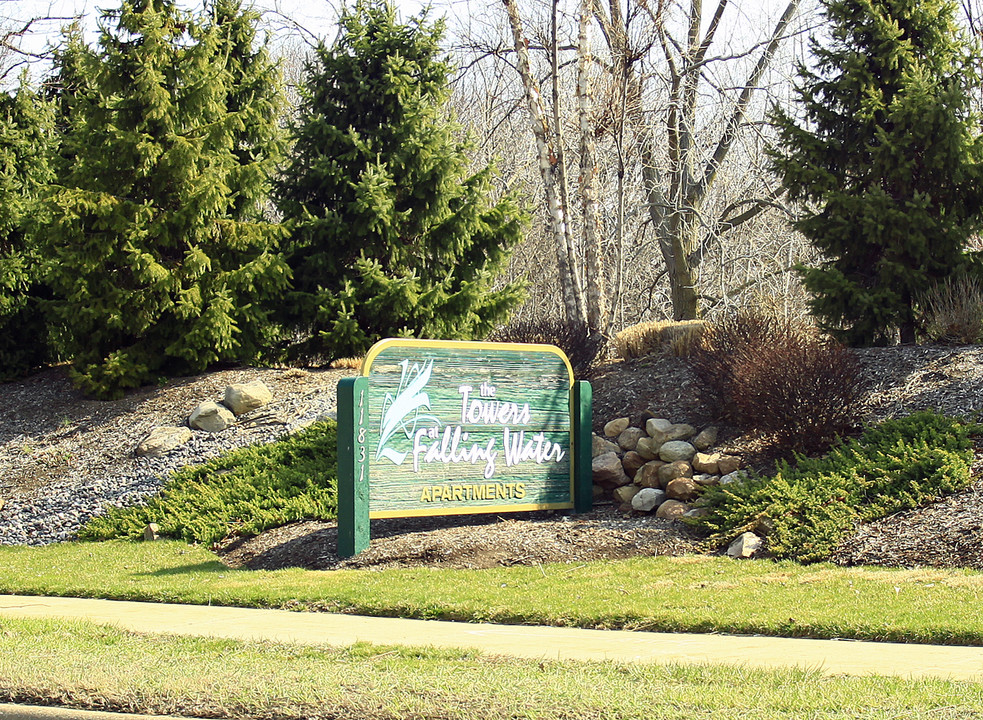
(695, 594)
(90, 666)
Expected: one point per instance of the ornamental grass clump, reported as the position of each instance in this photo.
(663, 337)
(952, 312)
(809, 505)
(242, 492)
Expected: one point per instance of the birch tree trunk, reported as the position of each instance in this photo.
(551, 169)
(599, 313)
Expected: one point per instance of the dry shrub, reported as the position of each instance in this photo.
(952, 312)
(781, 377)
(669, 337)
(584, 349)
(348, 363)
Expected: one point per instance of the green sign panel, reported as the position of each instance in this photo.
(444, 428)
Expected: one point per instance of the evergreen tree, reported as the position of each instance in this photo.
(886, 162)
(162, 262)
(390, 232)
(26, 139)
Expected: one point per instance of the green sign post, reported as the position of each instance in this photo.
(446, 428)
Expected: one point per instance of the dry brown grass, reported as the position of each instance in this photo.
(348, 363)
(664, 337)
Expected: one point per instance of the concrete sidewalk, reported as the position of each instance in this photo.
(830, 656)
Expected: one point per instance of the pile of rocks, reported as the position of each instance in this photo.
(660, 469)
(207, 417)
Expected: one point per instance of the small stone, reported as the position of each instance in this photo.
(647, 448)
(735, 476)
(162, 440)
(629, 437)
(706, 463)
(672, 509)
(706, 480)
(682, 489)
(242, 397)
(631, 462)
(648, 475)
(647, 499)
(696, 513)
(625, 494)
(676, 450)
(607, 470)
(151, 532)
(599, 446)
(745, 546)
(728, 464)
(616, 427)
(671, 471)
(211, 417)
(764, 526)
(706, 438)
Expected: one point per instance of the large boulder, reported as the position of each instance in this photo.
(676, 450)
(706, 438)
(211, 417)
(162, 440)
(629, 437)
(706, 463)
(625, 493)
(683, 489)
(658, 429)
(727, 464)
(607, 470)
(648, 475)
(631, 462)
(614, 428)
(600, 446)
(648, 448)
(680, 431)
(647, 499)
(243, 397)
(672, 509)
(671, 471)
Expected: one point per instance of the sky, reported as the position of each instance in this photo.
(316, 16)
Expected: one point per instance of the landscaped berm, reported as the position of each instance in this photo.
(65, 458)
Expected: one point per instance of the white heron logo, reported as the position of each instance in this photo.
(404, 411)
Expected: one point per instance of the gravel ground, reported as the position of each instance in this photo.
(64, 458)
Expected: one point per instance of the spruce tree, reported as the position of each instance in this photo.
(391, 234)
(26, 140)
(162, 262)
(886, 162)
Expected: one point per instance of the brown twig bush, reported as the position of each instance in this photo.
(779, 377)
(584, 349)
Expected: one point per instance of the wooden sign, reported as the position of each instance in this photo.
(447, 428)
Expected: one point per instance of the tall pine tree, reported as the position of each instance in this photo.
(390, 232)
(886, 162)
(26, 141)
(162, 261)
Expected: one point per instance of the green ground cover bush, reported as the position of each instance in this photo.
(245, 491)
(809, 505)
